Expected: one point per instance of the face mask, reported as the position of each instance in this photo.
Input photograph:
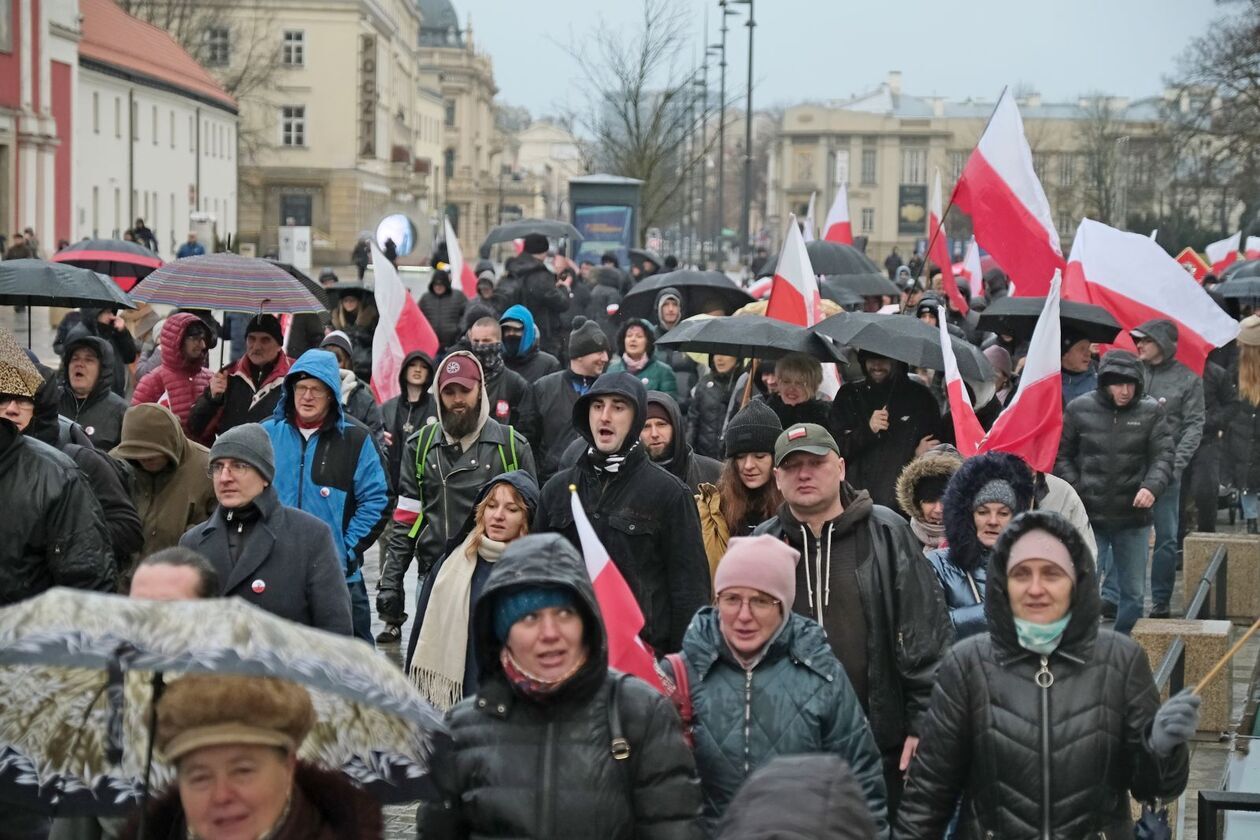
(490, 355)
(1041, 638)
(512, 345)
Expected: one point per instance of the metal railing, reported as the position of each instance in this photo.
(1172, 668)
(1212, 803)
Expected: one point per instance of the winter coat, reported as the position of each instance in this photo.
(655, 376)
(176, 497)
(554, 396)
(1078, 384)
(246, 399)
(360, 331)
(306, 331)
(290, 552)
(812, 410)
(685, 465)
(686, 371)
(357, 399)
(54, 532)
(706, 420)
(325, 805)
(1108, 453)
(798, 695)
(1055, 494)
(342, 479)
(962, 567)
(907, 626)
(606, 294)
(444, 311)
(874, 460)
(121, 341)
(801, 796)
(1179, 390)
(1059, 761)
(523, 768)
(529, 361)
(929, 465)
(1242, 445)
(510, 399)
(100, 413)
(644, 516)
(177, 382)
(402, 417)
(542, 296)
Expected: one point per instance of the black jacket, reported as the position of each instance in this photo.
(248, 398)
(444, 312)
(607, 293)
(706, 421)
(796, 797)
(907, 628)
(554, 397)
(1059, 761)
(401, 417)
(544, 298)
(812, 410)
(100, 412)
(523, 768)
(1109, 453)
(287, 564)
(645, 517)
(684, 464)
(122, 342)
(54, 532)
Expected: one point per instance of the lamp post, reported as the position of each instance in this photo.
(745, 231)
(721, 151)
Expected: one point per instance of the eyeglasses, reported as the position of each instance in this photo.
(320, 391)
(733, 603)
(236, 469)
(23, 402)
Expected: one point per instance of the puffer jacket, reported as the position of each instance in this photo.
(523, 768)
(800, 796)
(177, 382)
(1179, 390)
(706, 421)
(544, 297)
(799, 697)
(249, 398)
(100, 413)
(1108, 453)
(684, 464)
(528, 360)
(963, 567)
(444, 311)
(1058, 761)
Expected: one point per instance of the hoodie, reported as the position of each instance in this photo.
(178, 381)
(122, 343)
(401, 417)
(1178, 389)
(527, 358)
(100, 413)
(683, 463)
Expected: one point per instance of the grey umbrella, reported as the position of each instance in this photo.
(517, 230)
(41, 283)
(905, 339)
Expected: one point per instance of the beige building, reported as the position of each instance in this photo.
(552, 155)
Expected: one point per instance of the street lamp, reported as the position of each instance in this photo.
(745, 232)
(721, 151)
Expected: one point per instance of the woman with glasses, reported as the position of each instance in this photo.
(762, 682)
(278, 558)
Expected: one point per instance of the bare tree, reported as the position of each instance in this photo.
(1104, 145)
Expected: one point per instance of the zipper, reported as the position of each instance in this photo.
(302, 470)
(546, 806)
(1044, 680)
(748, 675)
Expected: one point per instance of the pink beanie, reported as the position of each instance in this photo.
(762, 563)
(1041, 545)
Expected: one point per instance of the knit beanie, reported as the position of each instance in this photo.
(1000, 358)
(1041, 545)
(264, 323)
(762, 563)
(754, 429)
(249, 443)
(511, 607)
(586, 338)
(534, 244)
(998, 491)
(656, 410)
(338, 339)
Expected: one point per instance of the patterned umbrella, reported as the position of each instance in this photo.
(126, 262)
(76, 670)
(229, 282)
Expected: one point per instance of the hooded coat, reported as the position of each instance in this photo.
(683, 463)
(937, 465)
(656, 375)
(120, 341)
(100, 413)
(1059, 761)
(797, 797)
(1179, 390)
(544, 297)
(706, 421)
(962, 567)
(401, 417)
(644, 516)
(1108, 452)
(526, 358)
(686, 371)
(520, 767)
(179, 495)
(177, 381)
(444, 309)
(250, 397)
(798, 695)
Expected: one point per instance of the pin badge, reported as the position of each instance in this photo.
(325, 492)
(259, 586)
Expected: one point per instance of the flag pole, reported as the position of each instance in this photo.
(1216, 669)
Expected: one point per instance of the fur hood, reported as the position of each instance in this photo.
(965, 551)
(933, 464)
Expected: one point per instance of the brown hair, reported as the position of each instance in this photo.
(479, 529)
(742, 507)
(800, 368)
(1249, 373)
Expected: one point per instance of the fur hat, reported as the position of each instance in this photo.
(208, 710)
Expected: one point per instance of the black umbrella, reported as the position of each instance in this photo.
(1017, 317)
(301, 277)
(866, 285)
(830, 258)
(699, 289)
(906, 339)
(41, 283)
(749, 337)
(1236, 287)
(519, 230)
(839, 294)
(1241, 271)
(639, 256)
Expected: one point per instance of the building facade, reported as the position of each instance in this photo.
(550, 153)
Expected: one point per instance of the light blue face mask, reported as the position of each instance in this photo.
(1041, 638)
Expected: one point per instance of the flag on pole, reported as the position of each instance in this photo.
(1031, 425)
(401, 329)
(810, 224)
(1224, 252)
(461, 271)
(794, 295)
(968, 433)
(1251, 250)
(999, 189)
(837, 228)
(940, 248)
(623, 618)
(972, 269)
(1135, 280)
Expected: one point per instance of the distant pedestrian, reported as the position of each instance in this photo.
(1079, 371)
(636, 347)
(920, 491)
(86, 393)
(190, 248)
(1242, 426)
(248, 390)
(540, 293)
(183, 375)
(892, 262)
(361, 256)
(143, 235)
(521, 352)
(443, 306)
(355, 315)
(355, 394)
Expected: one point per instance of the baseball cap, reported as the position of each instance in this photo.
(460, 369)
(804, 437)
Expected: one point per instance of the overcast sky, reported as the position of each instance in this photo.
(828, 49)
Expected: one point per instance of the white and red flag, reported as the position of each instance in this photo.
(1251, 250)
(1135, 280)
(939, 253)
(837, 228)
(623, 618)
(972, 269)
(1194, 264)
(794, 295)
(461, 271)
(968, 433)
(401, 329)
(1008, 208)
(1224, 252)
(1032, 423)
(810, 224)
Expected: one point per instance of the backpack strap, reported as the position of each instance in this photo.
(620, 747)
(422, 455)
(513, 464)
(680, 692)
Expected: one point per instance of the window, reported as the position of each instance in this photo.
(448, 160)
(1066, 225)
(1039, 166)
(117, 212)
(868, 169)
(842, 167)
(218, 46)
(1067, 169)
(135, 124)
(450, 112)
(293, 125)
(230, 142)
(957, 160)
(914, 166)
(155, 126)
(172, 129)
(868, 220)
(117, 117)
(96, 114)
(293, 48)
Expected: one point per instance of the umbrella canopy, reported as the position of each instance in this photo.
(43, 283)
(831, 258)
(639, 256)
(126, 262)
(906, 339)
(865, 285)
(1235, 287)
(749, 337)
(698, 289)
(1241, 271)
(839, 293)
(75, 675)
(518, 230)
(311, 286)
(229, 282)
(1017, 317)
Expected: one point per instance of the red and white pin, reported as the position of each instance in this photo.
(259, 586)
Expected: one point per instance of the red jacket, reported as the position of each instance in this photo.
(177, 383)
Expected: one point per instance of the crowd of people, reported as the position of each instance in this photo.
(850, 617)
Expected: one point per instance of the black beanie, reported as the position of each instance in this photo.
(264, 323)
(586, 338)
(930, 488)
(535, 243)
(754, 429)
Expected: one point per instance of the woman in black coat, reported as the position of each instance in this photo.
(1046, 724)
(709, 401)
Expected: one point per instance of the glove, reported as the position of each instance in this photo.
(1175, 722)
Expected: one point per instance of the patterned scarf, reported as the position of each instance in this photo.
(608, 463)
(635, 365)
(930, 535)
(526, 684)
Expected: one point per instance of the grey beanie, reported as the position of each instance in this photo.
(249, 443)
(586, 338)
(996, 490)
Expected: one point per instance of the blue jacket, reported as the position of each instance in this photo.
(190, 249)
(337, 475)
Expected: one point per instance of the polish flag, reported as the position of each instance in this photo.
(972, 269)
(401, 329)
(794, 295)
(810, 224)
(968, 433)
(461, 271)
(837, 227)
(1032, 423)
(1194, 264)
(623, 618)
(1135, 280)
(940, 248)
(1251, 250)
(1008, 208)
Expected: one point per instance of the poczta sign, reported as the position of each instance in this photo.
(367, 96)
